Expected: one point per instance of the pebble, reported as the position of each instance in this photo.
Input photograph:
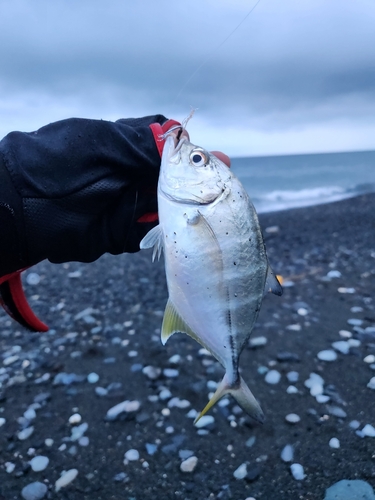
(334, 274)
(251, 441)
(30, 414)
(272, 377)
(345, 334)
(33, 279)
(294, 328)
(292, 377)
(49, 442)
(204, 421)
(39, 463)
(165, 394)
(371, 384)
(66, 478)
(346, 290)
(189, 464)
(292, 418)
(34, 491)
(258, 341)
(350, 490)
(292, 389)
(92, 378)
(124, 407)
(9, 467)
(354, 342)
(341, 346)
(368, 430)
(10, 360)
(369, 359)
(184, 454)
(68, 379)
(170, 372)
(151, 448)
(355, 322)
(241, 471)
(287, 453)
(297, 472)
(101, 391)
(151, 372)
(132, 455)
(75, 419)
(78, 431)
(25, 433)
(322, 398)
(354, 424)
(84, 441)
(175, 359)
(334, 443)
(178, 403)
(2, 421)
(327, 355)
(336, 411)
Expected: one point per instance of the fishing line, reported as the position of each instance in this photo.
(214, 50)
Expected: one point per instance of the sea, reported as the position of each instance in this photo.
(290, 181)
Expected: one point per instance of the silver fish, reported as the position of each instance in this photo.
(215, 260)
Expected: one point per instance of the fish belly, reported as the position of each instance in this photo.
(216, 269)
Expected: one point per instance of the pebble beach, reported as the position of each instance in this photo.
(97, 408)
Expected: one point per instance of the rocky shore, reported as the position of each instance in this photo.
(97, 408)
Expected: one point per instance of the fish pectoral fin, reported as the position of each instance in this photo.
(153, 239)
(241, 394)
(172, 323)
(272, 283)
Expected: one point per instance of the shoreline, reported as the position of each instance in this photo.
(105, 318)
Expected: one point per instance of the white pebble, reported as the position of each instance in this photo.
(75, 419)
(165, 394)
(354, 424)
(78, 431)
(175, 360)
(345, 334)
(39, 463)
(258, 341)
(25, 433)
(346, 290)
(2, 421)
(322, 398)
(341, 346)
(125, 406)
(294, 328)
(66, 479)
(30, 414)
(355, 322)
(313, 379)
(10, 360)
(33, 279)
(240, 472)
(354, 342)
(334, 443)
(316, 389)
(151, 372)
(297, 472)
(371, 384)
(369, 359)
(34, 491)
(84, 441)
(368, 430)
(287, 453)
(327, 355)
(302, 311)
(178, 403)
(192, 413)
(132, 455)
(9, 467)
(171, 372)
(292, 377)
(272, 229)
(49, 442)
(204, 421)
(292, 418)
(292, 389)
(169, 429)
(189, 464)
(133, 354)
(334, 274)
(92, 378)
(272, 377)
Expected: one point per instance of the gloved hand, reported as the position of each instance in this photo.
(74, 190)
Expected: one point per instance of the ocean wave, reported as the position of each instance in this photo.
(284, 199)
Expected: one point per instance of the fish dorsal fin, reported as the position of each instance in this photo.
(272, 283)
(172, 323)
(153, 239)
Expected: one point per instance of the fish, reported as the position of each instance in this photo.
(216, 265)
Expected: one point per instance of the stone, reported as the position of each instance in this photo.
(78, 431)
(334, 443)
(2, 421)
(92, 378)
(151, 448)
(151, 372)
(336, 411)
(185, 454)
(371, 384)
(205, 421)
(327, 355)
(132, 455)
(369, 359)
(287, 357)
(33, 279)
(241, 471)
(39, 463)
(189, 464)
(272, 377)
(287, 453)
(34, 491)
(66, 479)
(341, 346)
(25, 433)
(292, 418)
(368, 430)
(297, 472)
(292, 389)
(170, 372)
(257, 341)
(75, 419)
(350, 490)
(292, 377)
(124, 407)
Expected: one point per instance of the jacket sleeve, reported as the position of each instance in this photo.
(75, 189)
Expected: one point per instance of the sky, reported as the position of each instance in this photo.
(291, 76)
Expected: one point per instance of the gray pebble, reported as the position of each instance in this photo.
(350, 490)
(34, 491)
(287, 453)
(336, 411)
(25, 433)
(39, 463)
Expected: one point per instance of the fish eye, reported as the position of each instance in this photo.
(198, 158)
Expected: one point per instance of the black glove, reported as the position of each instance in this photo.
(78, 188)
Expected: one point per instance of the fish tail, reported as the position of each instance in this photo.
(241, 393)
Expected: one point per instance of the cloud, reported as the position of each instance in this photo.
(289, 67)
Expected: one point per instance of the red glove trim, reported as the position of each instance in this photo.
(149, 217)
(15, 304)
(159, 130)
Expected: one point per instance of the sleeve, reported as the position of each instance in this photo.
(73, 189)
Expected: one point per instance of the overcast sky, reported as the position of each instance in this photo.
(296, 76)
